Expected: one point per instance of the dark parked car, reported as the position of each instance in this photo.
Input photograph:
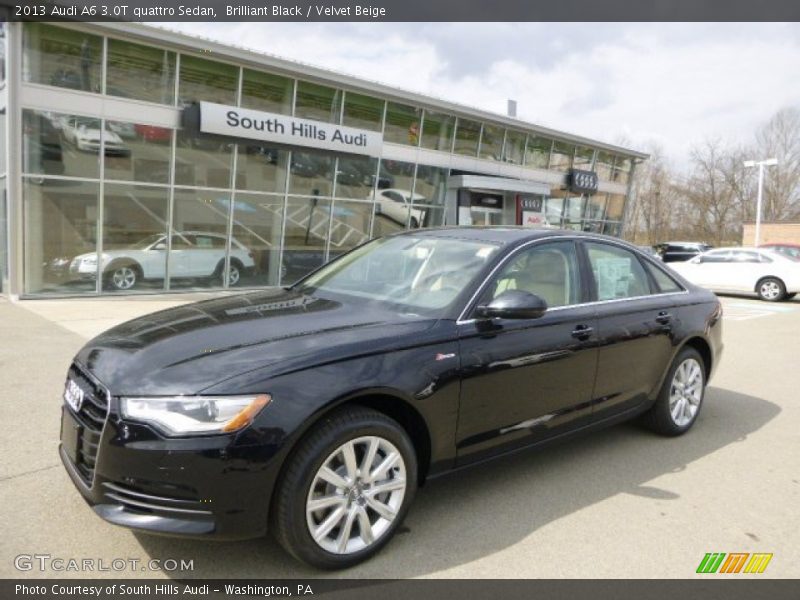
(316, 410)
(650, 251)
(681, 251)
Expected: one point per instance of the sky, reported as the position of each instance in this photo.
(670, 84)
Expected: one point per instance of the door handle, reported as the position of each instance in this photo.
(663, 317)
(582, 332)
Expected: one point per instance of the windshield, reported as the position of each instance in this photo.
(416, 272)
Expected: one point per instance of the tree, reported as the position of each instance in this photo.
(653, 199)
(710, 195)
(780, 138)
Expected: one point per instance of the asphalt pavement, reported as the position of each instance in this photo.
(621, 503)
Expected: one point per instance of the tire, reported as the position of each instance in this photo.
(665, 417)
(123, 277)
(355, 500)
(235, 272)
(771, 289)
(414, 223)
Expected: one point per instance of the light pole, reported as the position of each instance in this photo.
(769, 162)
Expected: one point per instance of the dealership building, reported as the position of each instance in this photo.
(139, 160)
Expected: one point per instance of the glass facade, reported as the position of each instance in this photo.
(318, 102)
(267, 92)
(140, 72)
(123, 206)
(437, 131)
(62, 57)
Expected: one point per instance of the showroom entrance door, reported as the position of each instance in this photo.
(480, 200)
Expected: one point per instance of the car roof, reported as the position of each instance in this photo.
(506, 234)
(683, 244)
(737, 248)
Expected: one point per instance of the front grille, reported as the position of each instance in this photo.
(92, 416)
(137, 501)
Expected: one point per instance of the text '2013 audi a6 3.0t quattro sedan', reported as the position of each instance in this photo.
(315, 411)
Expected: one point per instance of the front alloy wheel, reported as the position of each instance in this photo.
(356, 495)
(123, 278)
(346, 488)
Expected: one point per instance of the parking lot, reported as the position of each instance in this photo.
(621, 503)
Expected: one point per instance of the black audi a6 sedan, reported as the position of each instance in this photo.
(315, 411)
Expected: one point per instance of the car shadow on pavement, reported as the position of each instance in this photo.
(464, 516)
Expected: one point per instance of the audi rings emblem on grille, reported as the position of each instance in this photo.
(73, 394)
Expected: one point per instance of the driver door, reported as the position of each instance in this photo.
(524, 380)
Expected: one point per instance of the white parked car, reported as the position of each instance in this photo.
(395, 204)
(85, 134)
(771, 276)
(194, 254)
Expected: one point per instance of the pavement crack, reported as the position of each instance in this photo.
(31, 472)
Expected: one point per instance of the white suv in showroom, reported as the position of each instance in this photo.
(194, 254)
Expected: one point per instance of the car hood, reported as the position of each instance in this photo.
(187, 349)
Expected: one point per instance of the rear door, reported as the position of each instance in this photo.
(633, 329)
(207, 254)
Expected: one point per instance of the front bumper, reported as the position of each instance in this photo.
(214, 486)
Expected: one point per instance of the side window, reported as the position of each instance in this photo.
(745, 257)
(617, 272)
(764, 258)
(723, 256)
(664, 282)
(550, 271)
(181, 242)
(393, 196)
(207, 241)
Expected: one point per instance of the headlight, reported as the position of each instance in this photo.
(187, 415)
(91, 259)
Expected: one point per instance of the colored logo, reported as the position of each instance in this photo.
(734, 562)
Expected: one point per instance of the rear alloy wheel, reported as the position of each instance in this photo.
(234, 274)
(771, 289)
(686, 392)
(346, 489)
(680, 397)
(123, 278)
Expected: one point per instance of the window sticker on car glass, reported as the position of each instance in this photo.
(613, 277)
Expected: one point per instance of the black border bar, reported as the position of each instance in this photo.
(405, 10)
(711, 587)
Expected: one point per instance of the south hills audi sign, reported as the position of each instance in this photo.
(231, 121)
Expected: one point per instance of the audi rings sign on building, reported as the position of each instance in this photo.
(583, 181)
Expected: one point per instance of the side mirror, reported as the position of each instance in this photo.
(513, 304)
(696, 260)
